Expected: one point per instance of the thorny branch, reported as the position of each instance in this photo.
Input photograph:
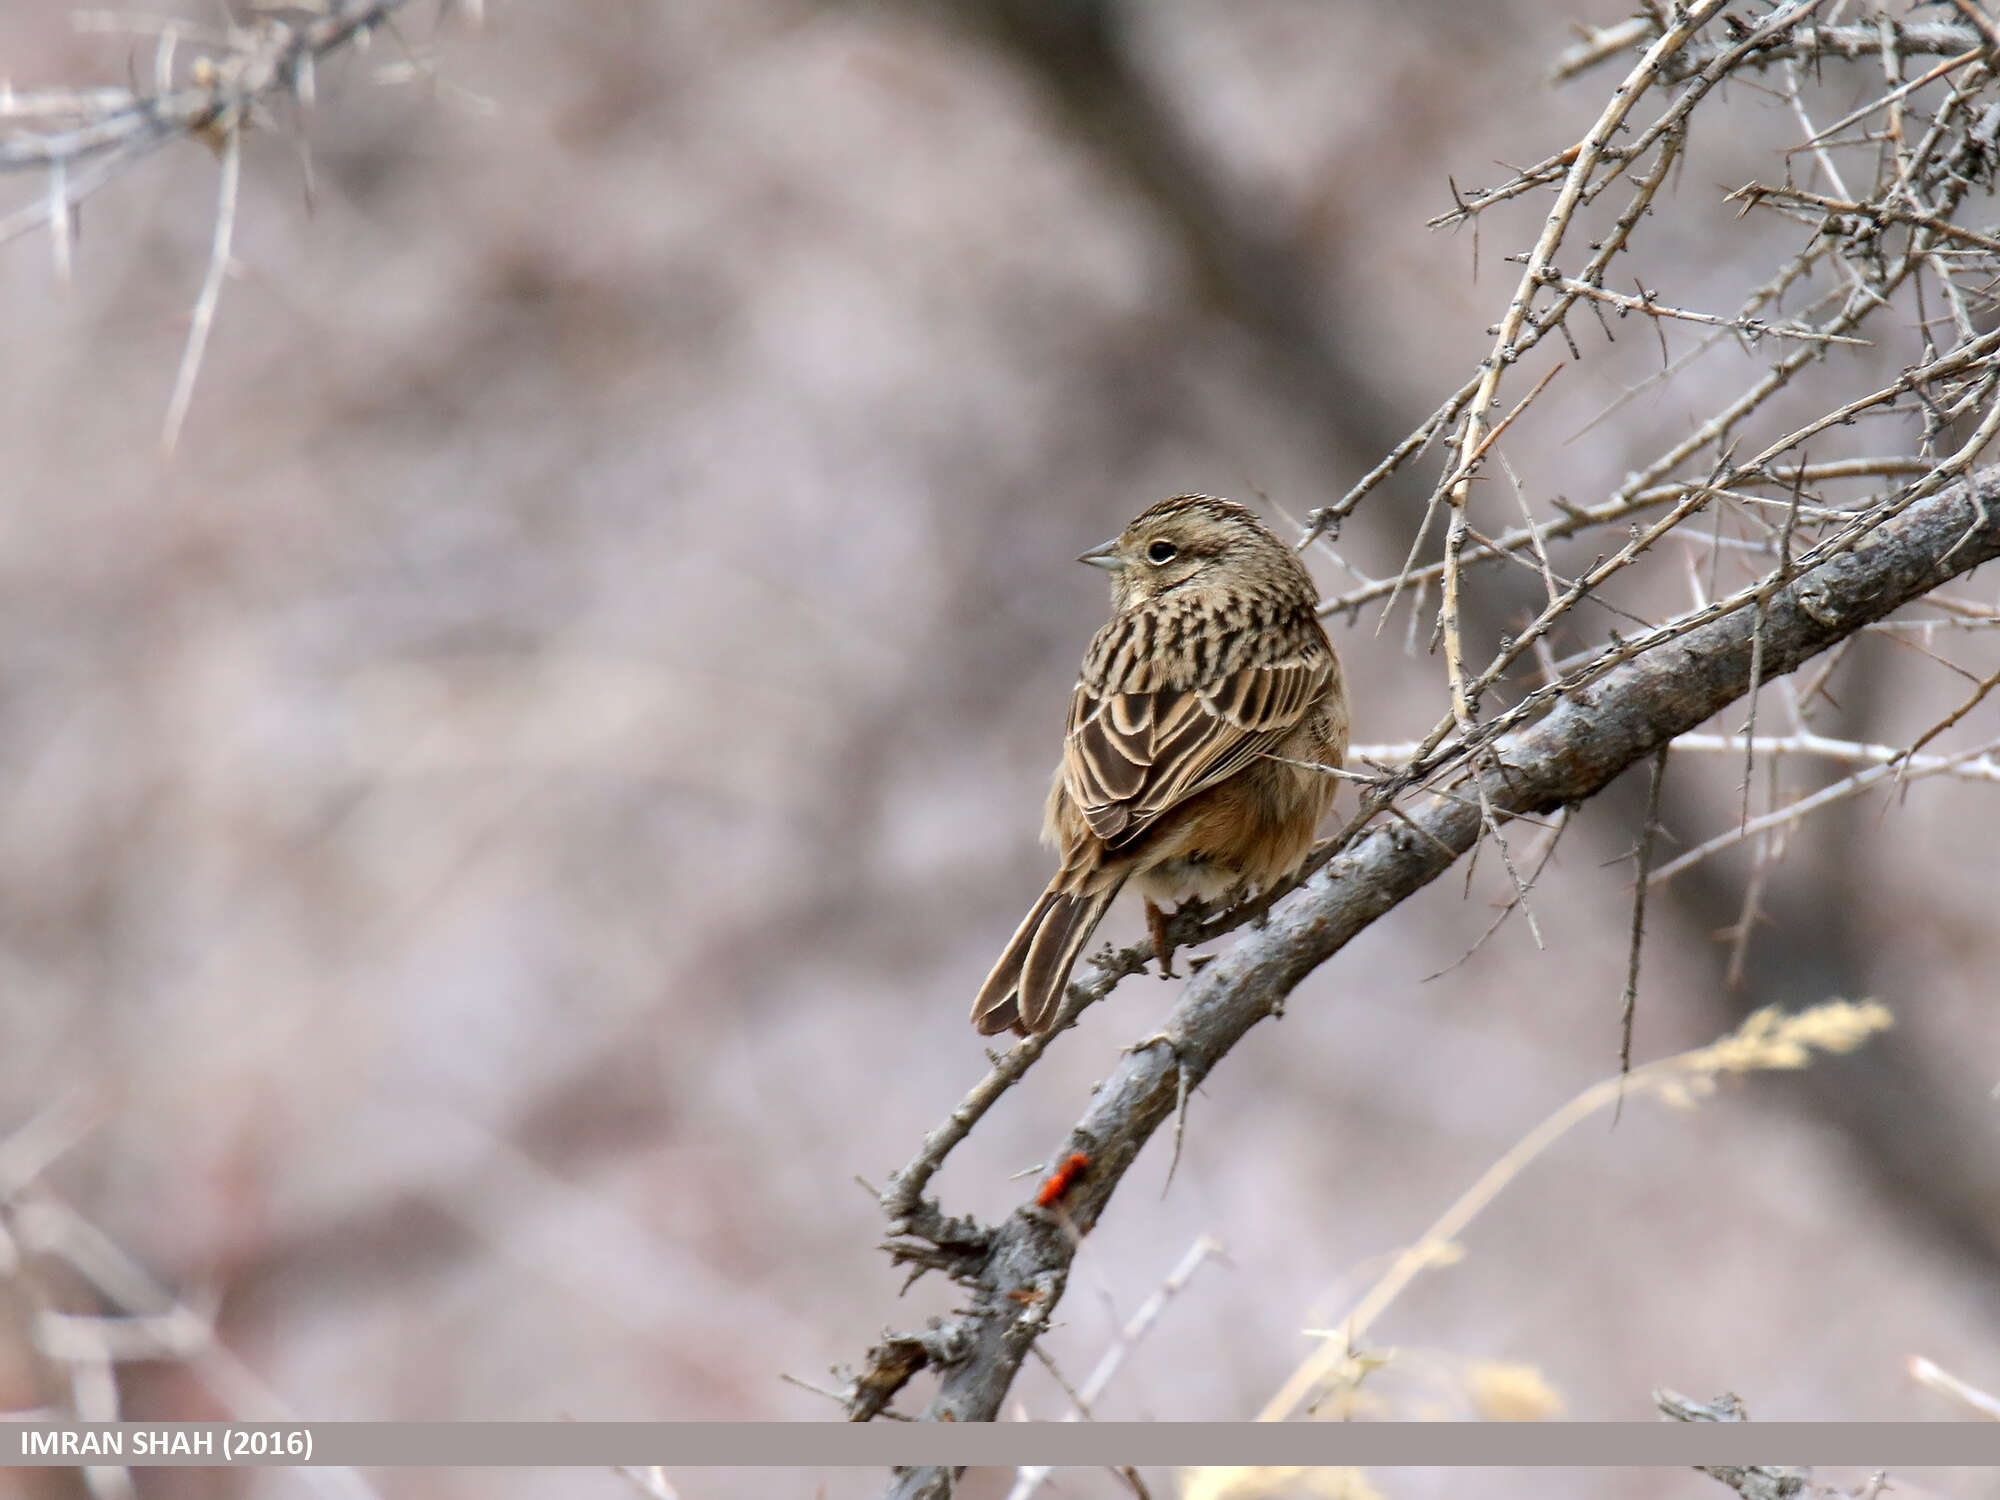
(132, 1319)
(1031, 1478)
(222, 87)
(204, 86)
(1643, 857)
(1582, 164)
(1019, 1268)
(1873, 316)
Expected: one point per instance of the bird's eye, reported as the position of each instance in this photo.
(1161, 552)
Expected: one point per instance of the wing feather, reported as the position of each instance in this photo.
(1136, 751)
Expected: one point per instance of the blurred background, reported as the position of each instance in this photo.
(502, 827)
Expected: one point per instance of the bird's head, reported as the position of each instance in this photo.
(1198, 541)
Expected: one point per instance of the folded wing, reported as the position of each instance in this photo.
(1132, 755)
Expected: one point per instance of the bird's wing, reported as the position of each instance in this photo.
(1134, 752)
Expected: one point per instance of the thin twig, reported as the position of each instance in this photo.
(1643, 856)
(1030, 1477)
(1934, 1377)
(211, 291)
(1756, 328)
(1974, 763)
(1766, 1040)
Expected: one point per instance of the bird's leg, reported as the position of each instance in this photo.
(1163, 946)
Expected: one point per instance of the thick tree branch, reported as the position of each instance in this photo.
(1570, 754)
(1932, 128)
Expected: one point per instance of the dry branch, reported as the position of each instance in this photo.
(131, 1317)
(1766, 1041)
(83, 138)
(1883, 215)
(1804, 43)
(1578, 748)
(269, 57)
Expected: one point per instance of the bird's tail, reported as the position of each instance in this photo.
(1026, 986)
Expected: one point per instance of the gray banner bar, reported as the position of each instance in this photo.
(1004, 1444)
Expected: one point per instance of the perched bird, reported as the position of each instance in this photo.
(1206, 715)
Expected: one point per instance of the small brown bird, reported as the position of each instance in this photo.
(1205, 711)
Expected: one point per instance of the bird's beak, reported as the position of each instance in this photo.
(1104, 555)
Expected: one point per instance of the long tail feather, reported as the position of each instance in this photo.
(1025, 989)
(998, 1006)
(1053, 954)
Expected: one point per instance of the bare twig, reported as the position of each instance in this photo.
(83, 138)
(1801, 495)
(257, 62)
(1976, 763)
(1934, 1377)
(1629, 1002)
(1754, 193)
(1031, 1477)
(1472, 439)
(1582, 743)
(211, 291)
(1765, 1041)
(1755, 328)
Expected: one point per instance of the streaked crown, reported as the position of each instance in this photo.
(1191, 543)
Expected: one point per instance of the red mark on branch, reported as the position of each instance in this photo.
(1058, 1184)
